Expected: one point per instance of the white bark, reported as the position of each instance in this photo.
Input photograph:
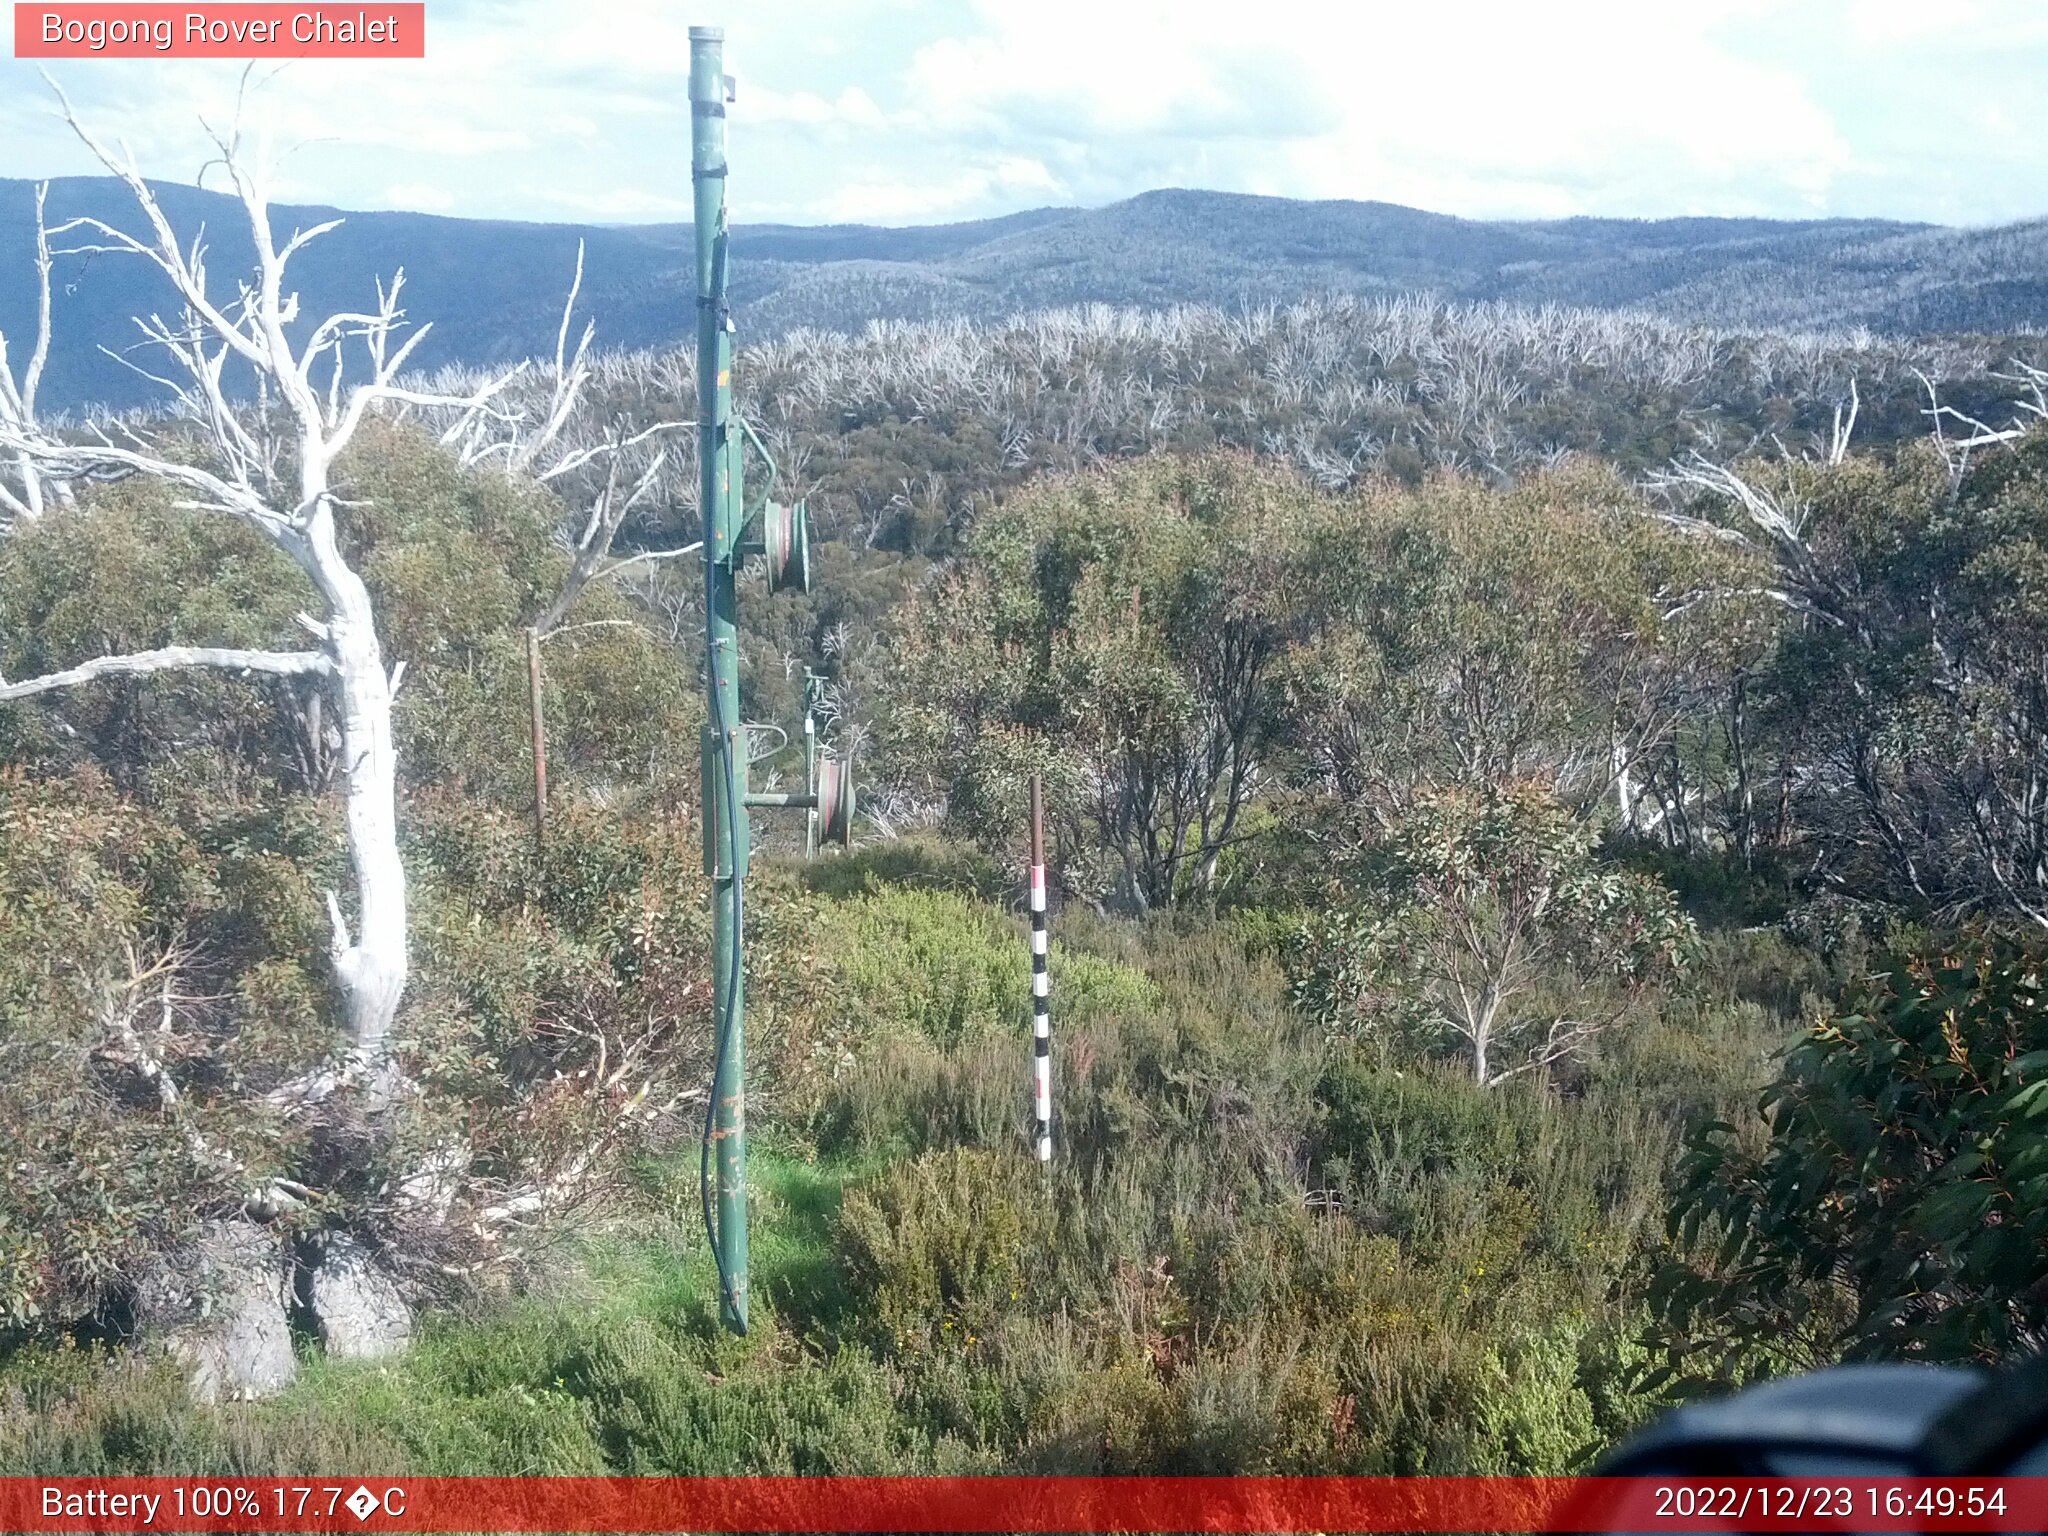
(2028, 413)
(27, 496)
(1624, 785)
(372, 970)
(140, 663)
(608, 513)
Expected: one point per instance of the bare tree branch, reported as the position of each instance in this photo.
(607, 515)
(18, 399)
(141, 663)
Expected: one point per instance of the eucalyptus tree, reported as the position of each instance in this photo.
(1904, 695)
(268, 457)
(1123, 631)
(604, 469)
(1463, 634)
(1488, 923)
(1344, 388)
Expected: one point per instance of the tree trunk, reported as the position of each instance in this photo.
(372, 970)
(1624, 787)
(31, 486)
(1745, 803)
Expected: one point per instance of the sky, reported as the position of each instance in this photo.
(926, 111)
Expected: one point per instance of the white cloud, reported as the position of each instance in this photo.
(1014, 180)
(930, 109)
(418, 195)
(1465, 106)
(851, 108)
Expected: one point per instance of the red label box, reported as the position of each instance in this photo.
(389, 1506)
(221, 31)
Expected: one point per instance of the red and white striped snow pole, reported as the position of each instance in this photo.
(1041, 984)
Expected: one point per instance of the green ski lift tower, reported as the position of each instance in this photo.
(733, 533)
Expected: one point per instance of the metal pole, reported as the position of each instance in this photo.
(726, 760)
(1041, 983)
(774, 800)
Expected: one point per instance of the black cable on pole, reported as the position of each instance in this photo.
(734, 809)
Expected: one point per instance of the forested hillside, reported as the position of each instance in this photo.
(493, 289)
(1520, 781)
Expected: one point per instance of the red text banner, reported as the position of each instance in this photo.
(1135, 1504)
(221, 31)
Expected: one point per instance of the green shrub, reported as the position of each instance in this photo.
(940, 1246)
(929, 862)
(928, 963)
(1900, 1206)
(126, 1060)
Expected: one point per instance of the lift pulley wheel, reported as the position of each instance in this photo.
(786, 541)
(835, 801)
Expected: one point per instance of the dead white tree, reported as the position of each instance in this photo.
(603, 473)
(590, 553)
(1768, 523)
(1845, 426)
(1775, 523)
(25, 498)
(285, 490)
(2030, 411)
(600, 473)
(590, 560)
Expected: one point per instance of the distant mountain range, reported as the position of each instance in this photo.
(494, 289)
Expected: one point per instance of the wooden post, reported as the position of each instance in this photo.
(540, 740)
(1041, 984)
